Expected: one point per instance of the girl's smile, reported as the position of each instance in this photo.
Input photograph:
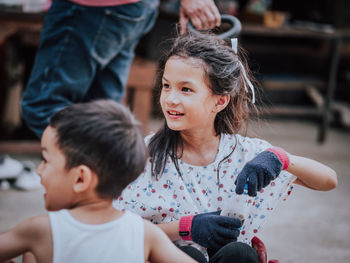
(174, 114)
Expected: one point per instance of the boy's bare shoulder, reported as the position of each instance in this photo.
(33, 234)
(39, 236)
(152, 234)
(35, 227)
(152, 229)
(149, 228)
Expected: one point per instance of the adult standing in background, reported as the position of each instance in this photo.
(86, 49)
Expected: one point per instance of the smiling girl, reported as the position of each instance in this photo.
(199, 164)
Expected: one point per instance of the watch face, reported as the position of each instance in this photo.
(184, 233)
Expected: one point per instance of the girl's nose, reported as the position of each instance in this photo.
(172, 98)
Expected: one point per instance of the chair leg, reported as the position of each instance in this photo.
(260, 248)
(331, 85)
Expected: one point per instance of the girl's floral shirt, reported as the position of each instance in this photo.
(198, 190)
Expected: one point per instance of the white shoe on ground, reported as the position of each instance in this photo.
(28, 179)
(4, 185)
(9, 167)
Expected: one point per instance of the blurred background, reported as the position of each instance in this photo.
(299, 53)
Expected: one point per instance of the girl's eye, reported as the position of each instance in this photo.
(166, 86)
(184, 89)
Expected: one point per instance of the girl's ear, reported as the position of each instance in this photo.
(221, 103)
(84, 178)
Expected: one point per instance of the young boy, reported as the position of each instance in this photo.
(90, 151)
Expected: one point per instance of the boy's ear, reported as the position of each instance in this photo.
(84, 178)
(221, 103)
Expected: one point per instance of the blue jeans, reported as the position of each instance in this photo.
(85, 53)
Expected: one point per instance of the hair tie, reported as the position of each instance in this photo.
(234, 44)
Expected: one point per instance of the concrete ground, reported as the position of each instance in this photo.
(310, 226)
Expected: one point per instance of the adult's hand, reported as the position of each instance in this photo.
(202, 13)
(210, 230)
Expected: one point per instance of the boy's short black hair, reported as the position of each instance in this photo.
(105, 136)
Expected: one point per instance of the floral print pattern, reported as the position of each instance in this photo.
(200, 190)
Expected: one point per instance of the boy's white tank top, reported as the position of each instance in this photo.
(121, 240)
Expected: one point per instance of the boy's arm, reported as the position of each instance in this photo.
(312, 174)
(30, 235)
(159, 248)
(171, 229)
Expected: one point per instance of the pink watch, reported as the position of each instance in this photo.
(185, 227)
(282, 155)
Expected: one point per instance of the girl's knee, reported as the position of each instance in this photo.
(237, 252)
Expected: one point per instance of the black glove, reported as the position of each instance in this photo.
(261, 170)
(210, 230)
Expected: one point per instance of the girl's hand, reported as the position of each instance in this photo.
(210, 230)
(261, 170)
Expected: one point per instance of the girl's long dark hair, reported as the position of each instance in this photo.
(223, 71)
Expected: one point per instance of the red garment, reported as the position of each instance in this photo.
(104, 2)
(260, 248)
